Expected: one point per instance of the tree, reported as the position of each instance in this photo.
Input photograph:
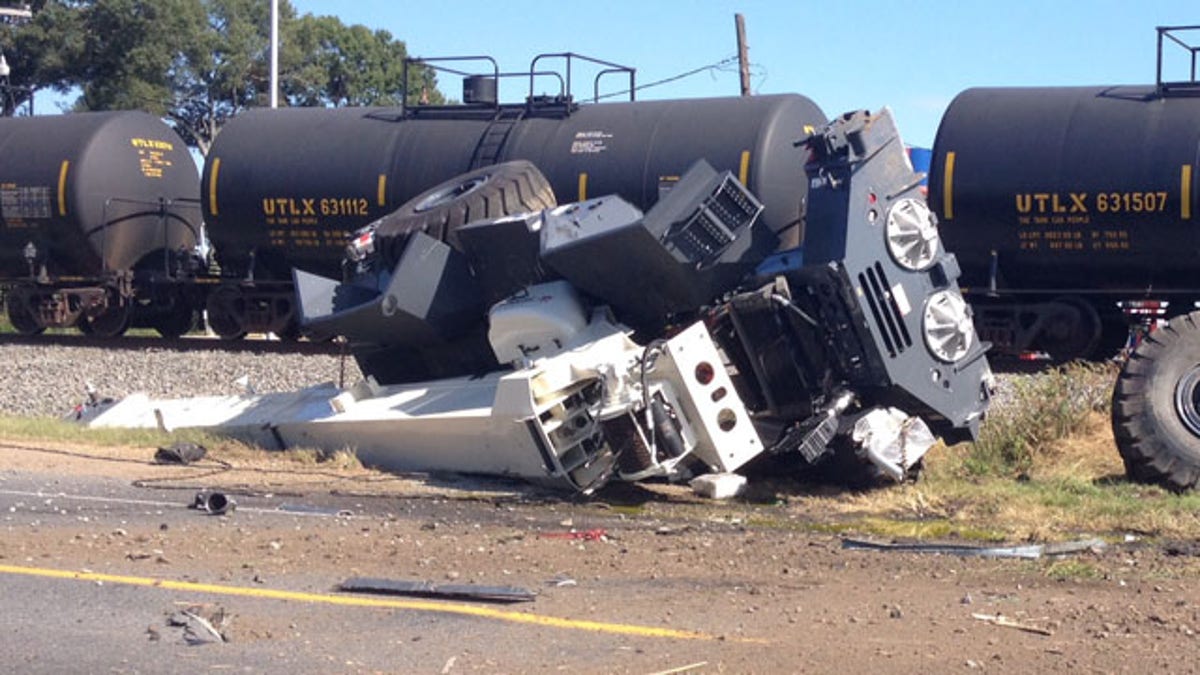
(352, 66)
(200, 62)
(225, 68)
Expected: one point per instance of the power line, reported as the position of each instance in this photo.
(696, 71)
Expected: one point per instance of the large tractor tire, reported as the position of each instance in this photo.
(488, 192)
(1156, 406)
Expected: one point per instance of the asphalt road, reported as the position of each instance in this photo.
(69, 610)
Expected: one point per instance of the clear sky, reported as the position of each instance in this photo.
(913, 56)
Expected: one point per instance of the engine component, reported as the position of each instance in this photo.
(860, 172)
(693, 246)
(424, 324)
(504, 253)
(536, 323)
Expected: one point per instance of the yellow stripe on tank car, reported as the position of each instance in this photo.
(212, 185)
(582, 187)
(62, 187)
(948, 188)
(381, 190)
(1185, 192)
(744, 169)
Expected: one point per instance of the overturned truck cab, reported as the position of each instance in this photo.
(591, 341)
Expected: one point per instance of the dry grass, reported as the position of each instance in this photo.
(1055, 475)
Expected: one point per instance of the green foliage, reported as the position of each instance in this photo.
(350, 66)
(200, 62)
(1067, 570)
(1040, 410)
(51, 429)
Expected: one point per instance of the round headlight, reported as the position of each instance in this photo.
(912, 234)
(949, 333)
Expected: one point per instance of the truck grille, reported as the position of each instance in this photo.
(885, 310)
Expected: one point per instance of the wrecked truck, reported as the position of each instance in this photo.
(592, 341)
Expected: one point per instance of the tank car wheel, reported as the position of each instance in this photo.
(1073, 334)
(21, 316)
(225, 307)
(489, 192)
(1156, 406)
(111, 323)
(172, 325)
(291, 331)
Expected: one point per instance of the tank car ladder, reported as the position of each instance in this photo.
(493, 139)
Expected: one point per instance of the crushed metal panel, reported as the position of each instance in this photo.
(426, 589)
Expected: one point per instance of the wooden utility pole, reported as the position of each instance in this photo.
(743, 53)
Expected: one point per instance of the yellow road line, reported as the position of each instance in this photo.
(358, 601)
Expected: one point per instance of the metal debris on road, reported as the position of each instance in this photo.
(316, 510)
(431, 590)
(1001, 620)
(719, 485)
(1029, 552)
(582, 535)
(213, 503)
(182, 452)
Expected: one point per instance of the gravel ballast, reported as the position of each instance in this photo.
(50, 380)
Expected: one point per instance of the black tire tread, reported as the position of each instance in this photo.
(512, 187)
(1149, 452)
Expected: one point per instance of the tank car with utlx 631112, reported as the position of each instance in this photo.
(99, 222)
(286, 188)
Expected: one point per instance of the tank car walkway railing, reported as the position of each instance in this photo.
(1189, 87)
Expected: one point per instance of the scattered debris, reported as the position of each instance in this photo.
(583, 535)
(316, 510)
(560, 580)
(430, 590)
(213, 503)
(1001, 620)
(182, 452)
(1029, 552)
(1181, 549)
(198, 628)
(719, 485)
(683, 669)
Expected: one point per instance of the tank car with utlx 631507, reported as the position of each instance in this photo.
(99, 221)
(1074, 210)
(1069, 208)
